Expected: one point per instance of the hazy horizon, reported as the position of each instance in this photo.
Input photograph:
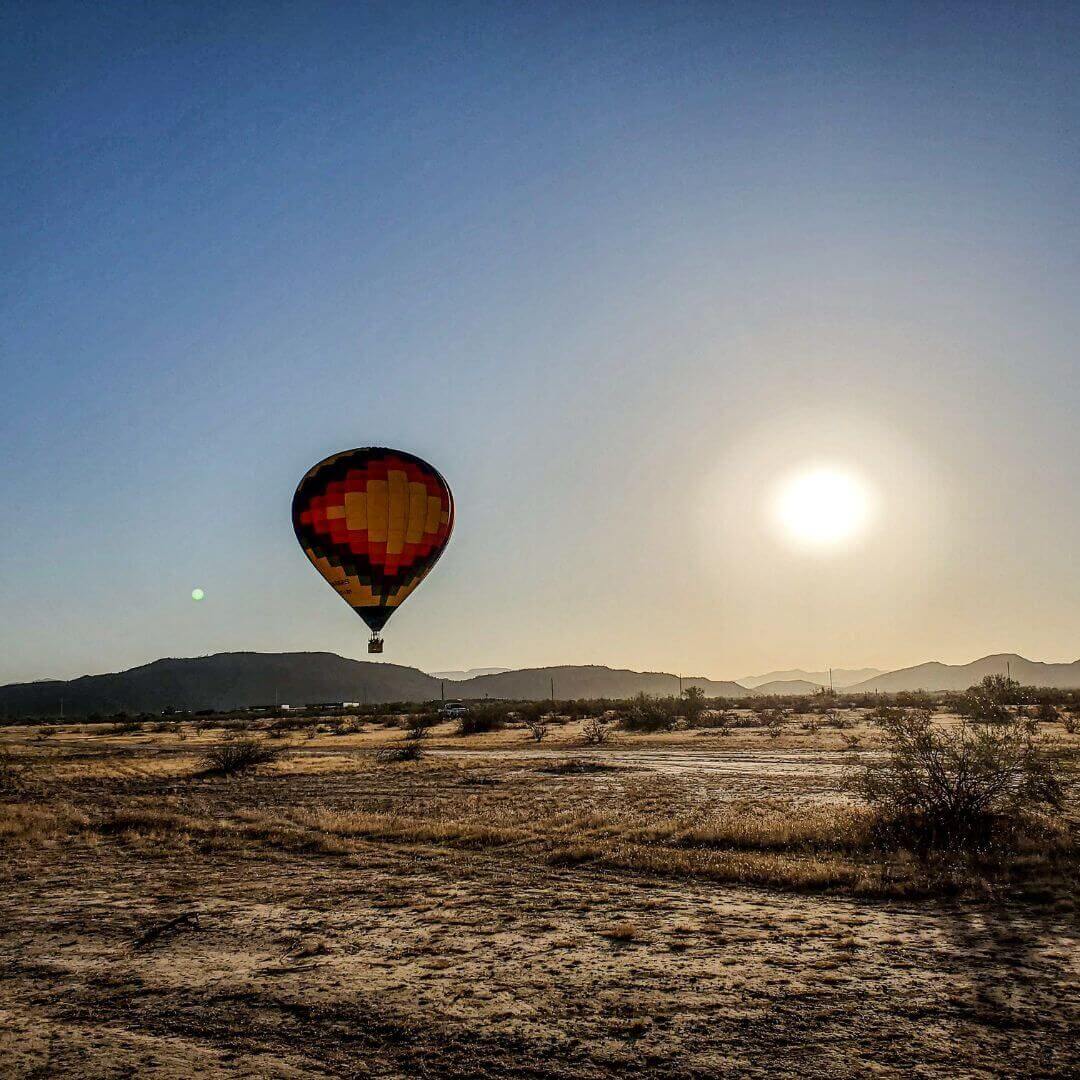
(745, 339)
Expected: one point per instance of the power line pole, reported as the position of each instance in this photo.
(553, 691)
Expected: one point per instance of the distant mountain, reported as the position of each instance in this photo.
(841, 677)
(788, 686)
(223, 681)
(235, 680)
(588, 681)
(472, 673)
(935, 676)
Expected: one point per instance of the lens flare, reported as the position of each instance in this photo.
(197, 594)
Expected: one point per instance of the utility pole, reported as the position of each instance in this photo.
(680, 686)
(442, 690)
(553, 691)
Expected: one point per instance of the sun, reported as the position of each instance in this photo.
(823, 506)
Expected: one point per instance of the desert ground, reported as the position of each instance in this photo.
(686, 904)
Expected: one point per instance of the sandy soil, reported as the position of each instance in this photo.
(422, 960)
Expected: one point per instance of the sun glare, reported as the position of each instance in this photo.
(823, 507)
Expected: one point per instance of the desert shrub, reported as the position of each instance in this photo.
(537, 727)
(596, 730)
(992, 701)
(1070, 722)
(647, 714)
(719, 720)
(623, 932)
(417, 725)
(749, 719)
(408, 751)
(534, 710)
(127, 726)
(483, 718)
(940, 788)
(835, 719)
(773, 719)
(577, 767)
(286, 724)
(884, 715)
(239, 755)
(914, 699)
(1047, 712)
(347, 725)
(693, 704)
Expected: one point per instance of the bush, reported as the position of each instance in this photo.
(538, 727)
(239, 755)
(596, 730)
(649, 714)
(483, 718)
(417, 724)
(1047, 712)
(694, 704)
(939, 788)
(409, 751)
(773, 720)
(884, 715)
(718, 720)
(993, 701)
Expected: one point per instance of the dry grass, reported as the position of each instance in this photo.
(827, 849)
(557, 813)
(34, 824)
(623, 932)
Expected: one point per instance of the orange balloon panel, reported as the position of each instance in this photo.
(373, 522)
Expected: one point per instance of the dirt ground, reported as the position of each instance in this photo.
(368, 949)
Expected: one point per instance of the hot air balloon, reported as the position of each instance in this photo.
(373, 522)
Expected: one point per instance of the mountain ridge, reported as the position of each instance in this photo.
(841, 677)
(240, 679)
(470, 673)
(934, 675)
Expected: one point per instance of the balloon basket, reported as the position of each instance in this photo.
(375, 644)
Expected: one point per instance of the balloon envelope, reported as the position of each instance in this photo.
(373, 522)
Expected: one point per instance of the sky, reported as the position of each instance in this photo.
(623, 272)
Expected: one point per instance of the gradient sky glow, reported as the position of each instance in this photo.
(616, 269)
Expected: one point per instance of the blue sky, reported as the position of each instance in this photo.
(614, 268)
